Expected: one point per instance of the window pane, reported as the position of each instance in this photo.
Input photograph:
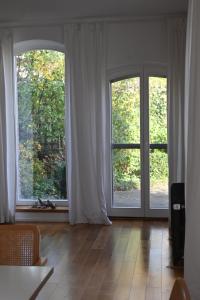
(40, 85)
(126, 111)
(126, 178)
(159, 179)
(158, 110)
(158, 135)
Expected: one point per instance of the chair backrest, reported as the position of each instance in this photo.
(180, 290)
(19, 244)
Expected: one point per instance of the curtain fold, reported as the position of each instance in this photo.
(192, 138)
(8, 187)
(176, 71)
(86, 122)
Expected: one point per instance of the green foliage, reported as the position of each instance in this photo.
(126, 111)
(42, 166)
(126, 130)
(126, 169)
(158, 166)
(40, 83)
(158, 110)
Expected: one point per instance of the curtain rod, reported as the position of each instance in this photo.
(59, 22)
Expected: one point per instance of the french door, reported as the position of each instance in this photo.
(139, 145)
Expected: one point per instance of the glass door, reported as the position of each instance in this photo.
(139, 147)
(126, 147)
(158, 197)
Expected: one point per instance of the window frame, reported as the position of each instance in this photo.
(144, 71)
(114, 75)
(20, 48)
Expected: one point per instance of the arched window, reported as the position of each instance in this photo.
(41, 129)
(139, 143)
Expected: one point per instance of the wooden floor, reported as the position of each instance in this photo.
(128, 260)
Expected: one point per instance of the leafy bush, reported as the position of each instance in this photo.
(126, 130)
(42, 166)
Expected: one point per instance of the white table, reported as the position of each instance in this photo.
(22, 283)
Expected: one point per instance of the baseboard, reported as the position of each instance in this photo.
(41, 217)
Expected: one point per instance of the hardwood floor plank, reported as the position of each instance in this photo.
(102, 238)
(125, 261)
(138, 294)
(153, 294)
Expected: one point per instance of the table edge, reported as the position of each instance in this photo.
(42, 283)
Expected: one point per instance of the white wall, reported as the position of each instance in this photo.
(54, 33)
(41, 217)
(134, 42)
(137, 42)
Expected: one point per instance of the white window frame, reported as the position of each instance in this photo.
(144, 71)
(20, 48)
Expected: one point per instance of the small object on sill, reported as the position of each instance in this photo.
(42, 203)
(51, 204)
(35, 205)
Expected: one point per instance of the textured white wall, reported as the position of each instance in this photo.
(137, 42)
(51, 33)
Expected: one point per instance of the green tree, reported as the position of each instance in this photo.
(40, 84)
(126, 130)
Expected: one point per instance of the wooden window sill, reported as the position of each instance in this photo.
(28, 208)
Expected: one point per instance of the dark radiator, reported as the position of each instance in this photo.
(177, 222)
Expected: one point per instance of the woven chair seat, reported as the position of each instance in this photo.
(20, 245)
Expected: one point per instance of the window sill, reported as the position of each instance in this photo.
(29, 203)
(29, 208)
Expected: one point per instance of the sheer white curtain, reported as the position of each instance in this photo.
(176, 63)
(86, 122)
(7, 130)
(192, 97)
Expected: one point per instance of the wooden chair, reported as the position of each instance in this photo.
(20, 245)
(180, 290)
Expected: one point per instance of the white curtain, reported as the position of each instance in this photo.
(176, 63)
(192, 117)
(86, 122)
(7, 130)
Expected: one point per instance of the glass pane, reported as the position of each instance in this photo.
(126, 111)
(159, 179)
(40, 85)
(158, 110)
(126, 178)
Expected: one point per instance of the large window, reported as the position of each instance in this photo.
(41, 134)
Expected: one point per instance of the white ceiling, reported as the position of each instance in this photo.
(19, 10)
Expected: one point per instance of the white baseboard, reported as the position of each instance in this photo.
(41, 217)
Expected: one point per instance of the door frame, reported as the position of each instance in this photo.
(144, 72)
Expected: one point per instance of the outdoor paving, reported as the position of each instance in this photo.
(158, 199)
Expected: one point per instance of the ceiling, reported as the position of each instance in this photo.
(20, 10)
